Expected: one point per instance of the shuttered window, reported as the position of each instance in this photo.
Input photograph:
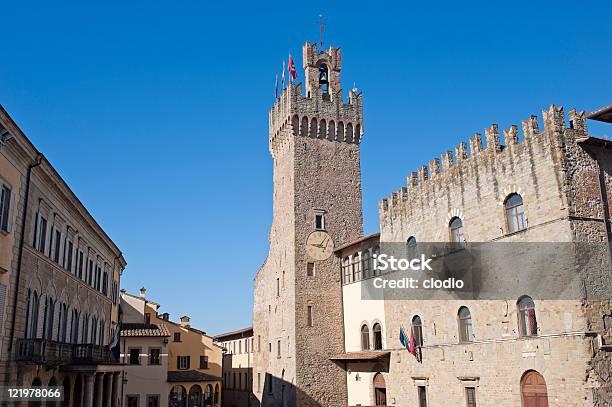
(2, 300)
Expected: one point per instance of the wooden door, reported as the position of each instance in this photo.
(533, 390)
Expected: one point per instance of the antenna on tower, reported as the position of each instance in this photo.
(321, 30)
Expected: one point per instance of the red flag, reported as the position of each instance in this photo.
(412, 344)
(291, 67)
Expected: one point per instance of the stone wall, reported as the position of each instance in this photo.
(559, 184)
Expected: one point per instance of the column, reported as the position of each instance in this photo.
(108, 391)
(99, 390)
(88, 394)
(116, 390)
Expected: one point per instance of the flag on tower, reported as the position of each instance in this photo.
(283, 76)
(276, 86)
(402, 338)
(291, 67)
(412, 344)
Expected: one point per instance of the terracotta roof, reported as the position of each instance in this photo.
(144, 330)
(236, 332)
(358, 356)
(190, 376)
(361, 239)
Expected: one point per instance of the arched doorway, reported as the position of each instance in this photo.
(380, 390)
(177, 397)
(208, 395)
(52, 383)
(195, 396)
(67, 395)
(35, 383)
(533, 390)
(78, 392)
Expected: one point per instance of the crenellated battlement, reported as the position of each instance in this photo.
(456, 161)
(312, 116)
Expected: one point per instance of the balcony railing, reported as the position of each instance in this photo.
(44, 351)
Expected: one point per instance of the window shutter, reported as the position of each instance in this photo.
(188, 362)
(2, 300)
(41, 316)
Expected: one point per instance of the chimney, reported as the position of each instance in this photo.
(166, 316)
(142, 292)
(185, 321)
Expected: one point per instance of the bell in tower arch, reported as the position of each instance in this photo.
(323, 75)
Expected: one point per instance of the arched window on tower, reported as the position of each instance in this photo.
(411, 247)
(515, 213)
(456, 231)
(324, 81)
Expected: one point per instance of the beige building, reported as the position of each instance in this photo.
(144, 351)
(59, 279)
(237, 367)
(189, 370)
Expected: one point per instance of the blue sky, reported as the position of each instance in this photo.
(156, 112)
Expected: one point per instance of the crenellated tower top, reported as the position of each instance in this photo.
(318, 111)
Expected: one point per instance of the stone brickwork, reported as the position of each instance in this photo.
(314, 140)
(563, 176)
(70, 309)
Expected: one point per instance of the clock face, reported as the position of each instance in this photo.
(319, 245)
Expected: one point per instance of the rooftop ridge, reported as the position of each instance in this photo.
(554, 124)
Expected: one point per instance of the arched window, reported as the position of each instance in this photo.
(417, 330)
(322, 129)
(346, 270)
(332, 130)
(48, 321)
(195, 396)
(366, 264)
(33, 307)
(340, 134)
(375, 253)
(74, 327)
(466, 331)
(365, 337)
(411, 247)
(304, 127)
(177, 397)
(356, 267)
(349, 132)
(314, 128)
(377, 329)
(533, 389)
(528, 325)
(456, 231)
(295, 124)
(216, 396)
(515, 213)
(324, 80)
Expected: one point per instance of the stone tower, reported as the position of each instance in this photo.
(297, 318)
